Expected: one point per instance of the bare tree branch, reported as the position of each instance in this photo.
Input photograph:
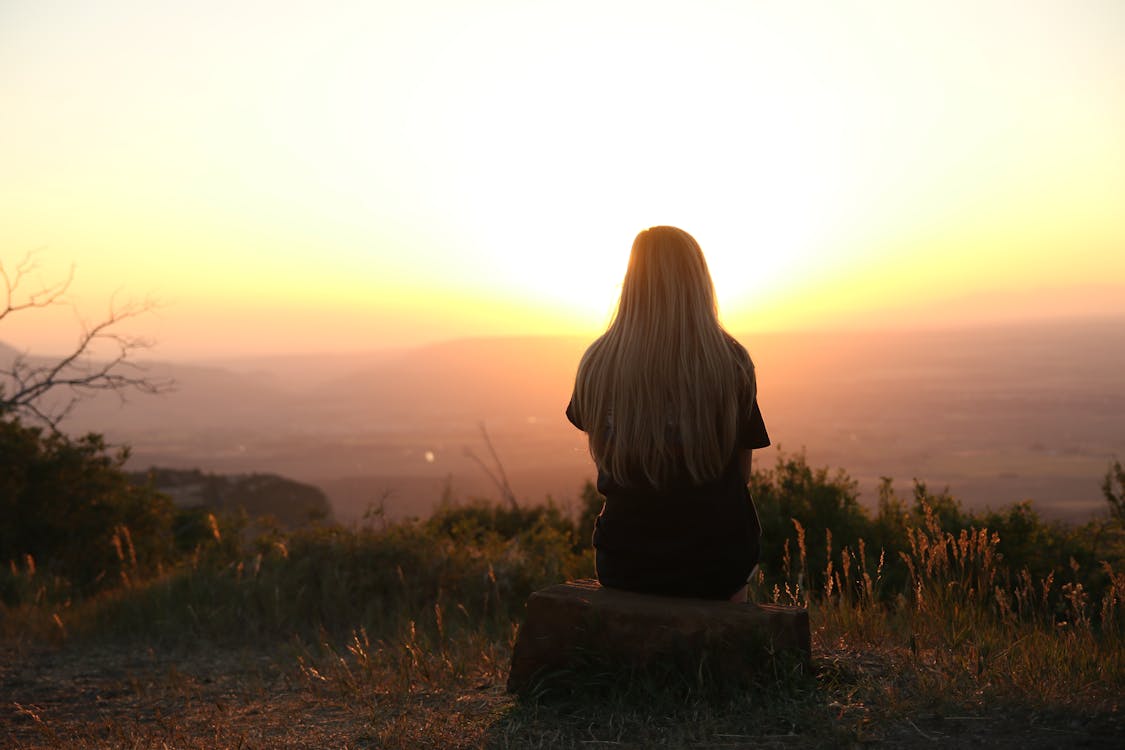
(499, 477)
(30, 386)
(44, 297)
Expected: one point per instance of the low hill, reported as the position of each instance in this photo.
(291, 503)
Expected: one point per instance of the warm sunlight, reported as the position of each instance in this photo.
(357, 177)
(313, 449)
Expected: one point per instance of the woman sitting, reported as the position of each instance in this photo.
(668, 400)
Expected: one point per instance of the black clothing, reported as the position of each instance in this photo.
(684, 540)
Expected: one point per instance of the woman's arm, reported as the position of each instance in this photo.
(744, 464)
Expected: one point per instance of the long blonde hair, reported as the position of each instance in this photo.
(659, 392)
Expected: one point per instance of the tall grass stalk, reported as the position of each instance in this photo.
(965, 625)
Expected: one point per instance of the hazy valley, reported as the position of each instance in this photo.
(1000, 414)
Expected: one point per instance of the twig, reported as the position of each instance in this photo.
(919, 731)
(499, 478)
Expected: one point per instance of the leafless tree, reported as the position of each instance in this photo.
(102, 359)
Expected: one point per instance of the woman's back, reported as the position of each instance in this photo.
(668, 400)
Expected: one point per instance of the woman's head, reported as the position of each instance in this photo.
(666, 280)
(659, 392)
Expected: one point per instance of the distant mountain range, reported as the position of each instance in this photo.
(999, 414)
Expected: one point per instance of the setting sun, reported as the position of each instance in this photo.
(361, 176)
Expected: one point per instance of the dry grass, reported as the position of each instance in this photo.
(252, 653)
(301, 697)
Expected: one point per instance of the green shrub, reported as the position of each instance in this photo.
(798, 505)
(70, 509)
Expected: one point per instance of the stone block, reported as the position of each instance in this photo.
(581, 622)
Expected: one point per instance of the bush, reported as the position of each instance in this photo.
(798, 505)
(70, 511)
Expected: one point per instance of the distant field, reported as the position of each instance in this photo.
(1030, 411)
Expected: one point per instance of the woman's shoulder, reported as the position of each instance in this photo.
(594, 348)
(739, 353)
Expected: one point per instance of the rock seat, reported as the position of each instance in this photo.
(580, 622)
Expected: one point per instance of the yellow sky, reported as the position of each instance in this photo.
(304, 176)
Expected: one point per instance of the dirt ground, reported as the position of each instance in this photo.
(119, 697)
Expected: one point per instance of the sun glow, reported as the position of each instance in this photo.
(404, 171)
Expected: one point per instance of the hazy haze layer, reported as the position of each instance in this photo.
(1001, 414)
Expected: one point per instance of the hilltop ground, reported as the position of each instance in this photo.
(251, 698)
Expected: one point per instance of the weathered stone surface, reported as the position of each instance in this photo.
(573, 623)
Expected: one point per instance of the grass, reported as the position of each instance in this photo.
(400, 636)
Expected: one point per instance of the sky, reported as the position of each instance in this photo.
(342, 176)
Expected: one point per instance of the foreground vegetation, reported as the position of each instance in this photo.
(930, 623)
